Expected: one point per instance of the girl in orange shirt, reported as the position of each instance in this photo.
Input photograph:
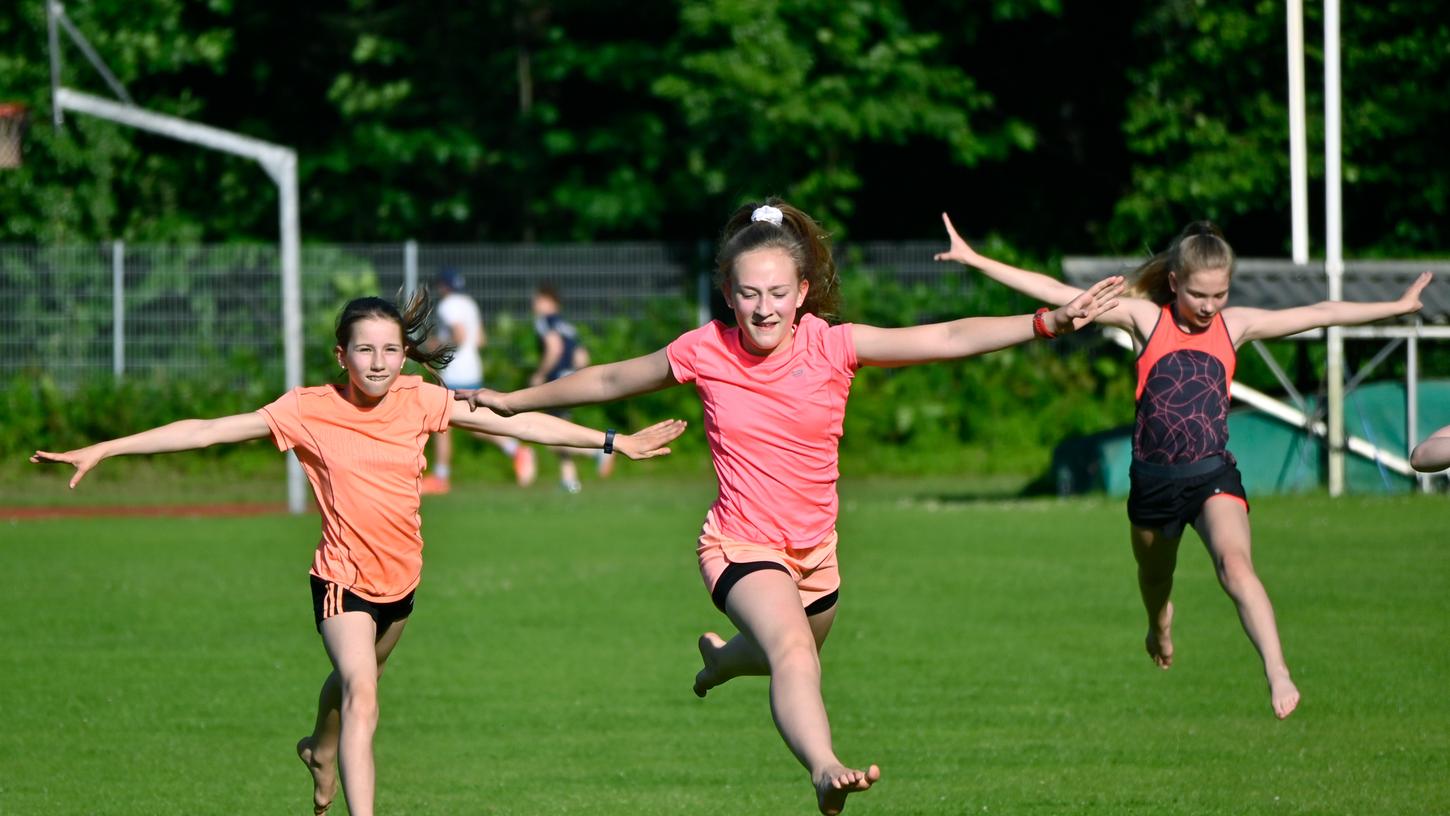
(1187, 337)
(361, 445)
(774, 390)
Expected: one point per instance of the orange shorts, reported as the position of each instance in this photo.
(723, 561)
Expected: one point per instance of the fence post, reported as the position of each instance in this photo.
(702, 283)
(410, 269)
(118, 308)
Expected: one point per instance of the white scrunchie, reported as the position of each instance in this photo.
(768, 213)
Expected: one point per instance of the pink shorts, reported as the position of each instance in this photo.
(724, 561)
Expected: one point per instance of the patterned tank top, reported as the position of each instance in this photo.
(1183, 392)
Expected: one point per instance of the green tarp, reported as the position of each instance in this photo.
(1274, 457)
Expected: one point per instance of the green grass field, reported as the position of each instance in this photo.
(987, 655)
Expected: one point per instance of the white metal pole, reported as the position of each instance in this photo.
(410, 269)
(285, 173)
(1298, 150)
(1334, 243)
(704, 282)
(52, 10)
(1412, 403)
(118, 308)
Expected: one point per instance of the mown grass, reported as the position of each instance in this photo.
(987, 655)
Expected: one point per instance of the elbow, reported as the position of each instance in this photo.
(1418, 460)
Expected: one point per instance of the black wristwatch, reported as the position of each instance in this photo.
(608, 440)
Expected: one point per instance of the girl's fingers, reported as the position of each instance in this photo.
(951, 230)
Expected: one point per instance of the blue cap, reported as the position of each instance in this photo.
(450, 277)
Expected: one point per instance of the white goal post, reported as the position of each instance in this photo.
(279, 162)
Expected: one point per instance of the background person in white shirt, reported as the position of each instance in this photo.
(459, 317)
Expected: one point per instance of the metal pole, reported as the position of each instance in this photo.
(52, 10)
(702, 284)
(1298, 151)
(1412, 404)
(1334, 243)
(285, 172)
(410, 269)
(118, 308)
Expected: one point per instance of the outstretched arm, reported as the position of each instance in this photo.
(978, 335)
(187, 434)
(1263, 324)
(549, 430)
(1043, 287)
(1432, 455)
(587, 386)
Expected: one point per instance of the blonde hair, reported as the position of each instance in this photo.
(800, 237)
(1200, 245)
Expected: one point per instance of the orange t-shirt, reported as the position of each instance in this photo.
(365, 465)
(774, 425)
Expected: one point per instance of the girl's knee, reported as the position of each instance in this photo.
(1236, 572)
(360, 698)
(795, 654)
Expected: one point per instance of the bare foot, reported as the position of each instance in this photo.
(710, 645)
(324, 778)
(835, 783)
(1160, 639)
(1283, 694)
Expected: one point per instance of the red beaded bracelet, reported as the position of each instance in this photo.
(1039, 325)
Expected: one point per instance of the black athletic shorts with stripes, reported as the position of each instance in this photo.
(329, 599)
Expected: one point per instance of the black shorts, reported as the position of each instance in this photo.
(733, 573)
(329, 599)
(1170, 497)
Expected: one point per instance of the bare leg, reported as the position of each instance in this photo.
(568, 471)
(436, 481)
(319, 750)
(1224, 526)
(1157, 556)
(766, 608)
(443, 454)
(740, 657)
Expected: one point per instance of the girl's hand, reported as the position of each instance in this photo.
(960, 251)
(83, 458)
(1410, 300)
(1086, 308)
(485, 398)
(651, 441)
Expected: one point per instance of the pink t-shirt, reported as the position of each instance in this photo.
(774, 425)
(365, 466)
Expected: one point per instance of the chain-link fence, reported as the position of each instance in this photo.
(79, 312)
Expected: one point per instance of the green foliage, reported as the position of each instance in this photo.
(537, 119)
(1208, 124)
(780, 96)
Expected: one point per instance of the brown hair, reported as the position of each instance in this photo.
(1200, 245)
(801, 238)
(416, 322)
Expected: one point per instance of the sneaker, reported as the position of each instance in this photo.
(571, 487)
(525, 469)
(605, 463)
(434, 486)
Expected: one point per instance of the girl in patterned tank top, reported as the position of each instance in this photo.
(361, 446)
(774, 389)
(1187, 336)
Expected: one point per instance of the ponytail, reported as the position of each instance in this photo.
(415, 321)
(800, 237)
(1200, 245)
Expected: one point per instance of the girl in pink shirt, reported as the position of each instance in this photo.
(361, 445)
(774, 391)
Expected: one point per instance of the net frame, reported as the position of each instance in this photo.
(14, 118)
